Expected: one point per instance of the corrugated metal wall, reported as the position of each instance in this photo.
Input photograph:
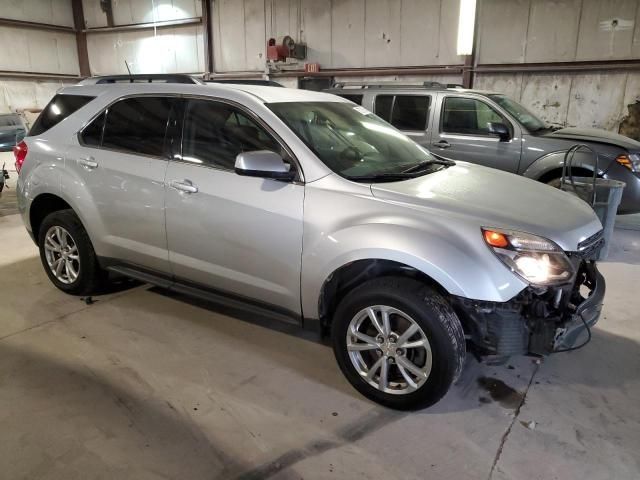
(164, 50)
(563, 31)
(338, 33)
(29, 50)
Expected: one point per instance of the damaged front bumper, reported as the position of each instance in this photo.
(539, 320)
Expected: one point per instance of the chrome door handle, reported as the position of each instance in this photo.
(89, 163)
(184, 186)
(442, 144)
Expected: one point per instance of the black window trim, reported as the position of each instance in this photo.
(472, 135)
(299, 171)
(393, 104)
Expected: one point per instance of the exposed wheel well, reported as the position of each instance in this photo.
(350, 276)
(42, 206)
(557, 173)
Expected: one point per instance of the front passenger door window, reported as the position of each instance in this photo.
(215, 133)
(468, 116)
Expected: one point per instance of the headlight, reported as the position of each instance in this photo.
(631, 161)
(538, 260)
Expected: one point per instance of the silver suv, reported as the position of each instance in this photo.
(306, 209)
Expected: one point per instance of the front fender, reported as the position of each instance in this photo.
(450, 252)
(555, 160)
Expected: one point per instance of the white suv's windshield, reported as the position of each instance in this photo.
(524, 116)
(355, 143)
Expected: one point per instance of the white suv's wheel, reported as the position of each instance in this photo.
(67, 254)
(398, 342)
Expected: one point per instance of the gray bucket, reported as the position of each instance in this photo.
(608, 194)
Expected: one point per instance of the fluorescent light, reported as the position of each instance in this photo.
(466, 25)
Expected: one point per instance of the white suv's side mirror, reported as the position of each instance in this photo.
(263, 163)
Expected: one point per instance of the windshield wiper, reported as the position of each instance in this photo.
(426, 163)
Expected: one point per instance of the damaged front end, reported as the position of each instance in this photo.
(541, 319)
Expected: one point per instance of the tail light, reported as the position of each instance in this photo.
(20, 152)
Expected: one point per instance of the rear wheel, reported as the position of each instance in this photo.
(398, 342)
(67, 254)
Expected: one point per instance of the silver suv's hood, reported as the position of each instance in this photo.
(493, 198)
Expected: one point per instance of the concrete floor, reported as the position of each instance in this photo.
(142, 385)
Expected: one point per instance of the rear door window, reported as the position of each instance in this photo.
(138, 125)
(59, 108)
(92, 133)
(405, 112)
(469, 116)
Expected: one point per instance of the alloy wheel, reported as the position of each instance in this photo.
(61, 253)
(389, 349)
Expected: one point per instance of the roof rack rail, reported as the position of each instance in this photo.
(142, 78)
(367, 85)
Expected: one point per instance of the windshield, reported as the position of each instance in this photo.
(355, 143)
(10, 121)
(524, 116)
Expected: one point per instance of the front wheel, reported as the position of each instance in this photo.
(398, 342)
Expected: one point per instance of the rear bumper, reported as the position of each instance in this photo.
(538, 321)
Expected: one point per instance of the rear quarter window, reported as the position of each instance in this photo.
(59, 108)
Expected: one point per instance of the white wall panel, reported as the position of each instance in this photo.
(38, 51)
(382, 37)
(126, 12)
(316, 30)
(16, 95)
(56, 12)
(607, 29)
(553, 30)
(255, 36)
(173, 50)
(597, 100)
(547, 96)
(502, 31)
(420, 32)
(347, 33)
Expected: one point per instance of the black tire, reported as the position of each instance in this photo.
(434, 316)
(90, 277)
(555, 182)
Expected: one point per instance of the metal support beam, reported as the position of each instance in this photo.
(146, 26)
(81, 38)
(8, 22)
(207, 36)
(560, 67)
(107, 8)
(470, 60)
(337, 72)
(37, 75)
(467, 71)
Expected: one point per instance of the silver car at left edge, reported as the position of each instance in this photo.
(308, 210)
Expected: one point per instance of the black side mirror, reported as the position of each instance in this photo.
(501, 130)
(265, 164)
